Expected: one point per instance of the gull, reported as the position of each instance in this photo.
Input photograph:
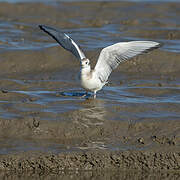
(110, 57)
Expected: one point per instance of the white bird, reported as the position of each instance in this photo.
(110, 57)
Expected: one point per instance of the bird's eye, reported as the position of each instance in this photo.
(86, 62)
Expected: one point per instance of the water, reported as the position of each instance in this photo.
(134, 93)
(18, 35)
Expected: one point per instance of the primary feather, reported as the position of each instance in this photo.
(111, 56)
(64, 40)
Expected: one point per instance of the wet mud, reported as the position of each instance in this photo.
(134, 124)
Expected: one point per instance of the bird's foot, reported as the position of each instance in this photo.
(85, 95)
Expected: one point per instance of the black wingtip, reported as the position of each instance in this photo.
(40, 26)
(160, 45)
(153, 48)
(47, 30)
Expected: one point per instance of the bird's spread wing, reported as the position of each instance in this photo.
(64, 40)
(111, 56)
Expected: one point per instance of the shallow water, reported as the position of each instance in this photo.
(160, 24)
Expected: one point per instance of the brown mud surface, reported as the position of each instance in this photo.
(134, 124)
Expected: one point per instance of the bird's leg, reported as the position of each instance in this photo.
(94, 94)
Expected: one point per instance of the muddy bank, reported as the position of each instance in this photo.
(83, 145)
(56, 60)
(82, 131)
(100, 175)
(96, 160)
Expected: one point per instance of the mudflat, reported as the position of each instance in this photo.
(134, 124)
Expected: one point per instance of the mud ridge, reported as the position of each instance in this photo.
(97, 160)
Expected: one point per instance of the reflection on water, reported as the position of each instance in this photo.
(91, 112)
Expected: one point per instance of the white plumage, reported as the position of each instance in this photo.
(109, 58)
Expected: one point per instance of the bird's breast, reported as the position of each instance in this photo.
(89, 81)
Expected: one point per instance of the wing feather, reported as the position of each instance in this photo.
(111, 56)
(64, 40)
